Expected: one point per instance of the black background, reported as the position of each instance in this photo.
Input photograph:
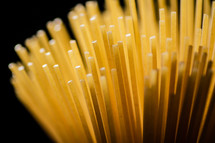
(20, 20)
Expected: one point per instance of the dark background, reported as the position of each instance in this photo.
(19, 21)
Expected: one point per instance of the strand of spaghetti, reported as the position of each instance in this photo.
(42, 98)
(161, 4)
(174, 31)
(33, 45)
(198, 108)
(83, 18)
(186, 108)
(145, 49)
(211, 40)
(57, 103)
(206, 7)
(121, 26)
(149, 62)
(108, 73)
(58, 52)
(61, 34)
(106, 18)
(100, 97)
(96, 106)
(174, 5)
(188, 61)
(107, 101)
(173, 105)
(161, 115)
(55, 88)
(190, 19)
(94, 24)
(112, 31)
(148, 127)
(107, 49)
(86, 56)
(141, 10)
(165, 60)
(22, 53)
(88, 130)
(162, 30)
(173, 73)
(186, 47)
(118, 68)
(123, 130)
(195, 61)
(154, 99)
(61, 82)
(204, 30)
(79, 8)
(78, 89)
(75, 26)
(42, 55)
(128, 99)
(93, 10)
(110, 40)
(198, 78)
(43, 39)
(64, 91)
(91, 110)
(88, 39)
(181, 88)
(155, 52)
(87, 96)
(64, 35)
(53, 52)
(73, 65)
(115, 11)
(151, 16)
(136, 53)
(36, 82)
(181, 72)
(113, 102)
(69, 102)
(53, 29)
(122, 89)
(198, 17)
(183, 28)
(51, 103)
(200, 53)
(169, 49)
(205, 134)
(77, 54)
(133, 13)
(23, 97)
(166, 100)
(197, 39)
(21, 75)
(82, 76)
(98, 54)
(140, 82)
(209, 100)
(134, 84)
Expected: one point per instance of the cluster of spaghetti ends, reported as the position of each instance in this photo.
(133, 74)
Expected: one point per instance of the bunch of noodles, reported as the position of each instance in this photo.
(135, 74)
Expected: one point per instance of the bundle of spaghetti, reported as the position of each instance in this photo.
(133, 74)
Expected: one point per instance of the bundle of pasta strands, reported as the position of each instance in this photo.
(133, 74)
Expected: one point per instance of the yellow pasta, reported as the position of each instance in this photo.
(138, 74)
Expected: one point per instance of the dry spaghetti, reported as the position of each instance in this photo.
(131, 75)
